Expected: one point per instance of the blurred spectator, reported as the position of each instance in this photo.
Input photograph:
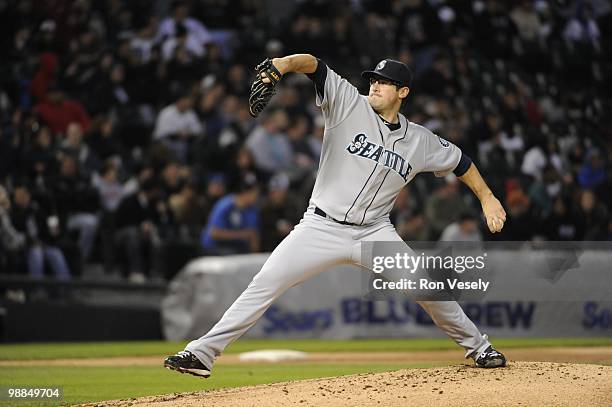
(534, 161)
(594, 215)
(216, 188)
(189, 211)
(111, 192)
(482, 135)
(172, 176)
(526, 20)
(242, 165)
(231, 137)
(444, 207)
(417, 25)
(78, 203)
(495, 33)
(226, 127)
(104, 140)
(562, 225)
(604, 190)
(110, 189)
(437, 78)
(315, 140)
(582, 28)
(45, 77)
(113, 95)
(143, 42)
(183, 65)
(304, 157)
(209, 109)
(520, 224)
(137, 236)
(407, 218)
(414, 228)
(11, 241)
(43, 231)
(465, 229)
(177, 44)
(233, 224)
(279, 213)
(237, 83)
(543, 192)
(58, 112)
(197, 36)
(74, 146)
(79, 76)
(269, 144)
(375, 39)
(512, 144)
(177, 124)
(8, 154)
(593, 172)
(39, 161)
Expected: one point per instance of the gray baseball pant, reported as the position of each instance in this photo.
(316, 244)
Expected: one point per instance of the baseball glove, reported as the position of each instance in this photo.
(262, 92)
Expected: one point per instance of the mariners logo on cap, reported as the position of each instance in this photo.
(381, 65)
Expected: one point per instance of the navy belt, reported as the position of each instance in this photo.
(321, 212)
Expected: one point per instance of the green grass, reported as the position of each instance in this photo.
(161, 348)
(88, 384)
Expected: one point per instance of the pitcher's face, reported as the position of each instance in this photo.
(384, 94)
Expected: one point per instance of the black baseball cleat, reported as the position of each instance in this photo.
(186, 362)
(490, 358)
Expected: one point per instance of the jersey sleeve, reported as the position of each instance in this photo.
(335, 95)
(442, 157)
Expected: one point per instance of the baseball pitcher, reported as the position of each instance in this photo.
(370, 152)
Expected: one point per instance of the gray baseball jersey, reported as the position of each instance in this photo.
(364, 164)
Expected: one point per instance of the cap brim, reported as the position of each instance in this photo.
(368, 74)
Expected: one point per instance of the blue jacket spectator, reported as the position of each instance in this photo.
(593, 172)
(233, 224)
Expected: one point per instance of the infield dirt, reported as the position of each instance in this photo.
(522, 383)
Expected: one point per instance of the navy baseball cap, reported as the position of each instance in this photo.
(395, 71)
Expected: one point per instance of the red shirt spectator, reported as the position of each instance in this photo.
(58, 112)
(45, 76)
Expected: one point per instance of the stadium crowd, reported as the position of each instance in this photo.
(126, 141)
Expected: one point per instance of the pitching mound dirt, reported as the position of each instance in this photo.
(521, 383)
